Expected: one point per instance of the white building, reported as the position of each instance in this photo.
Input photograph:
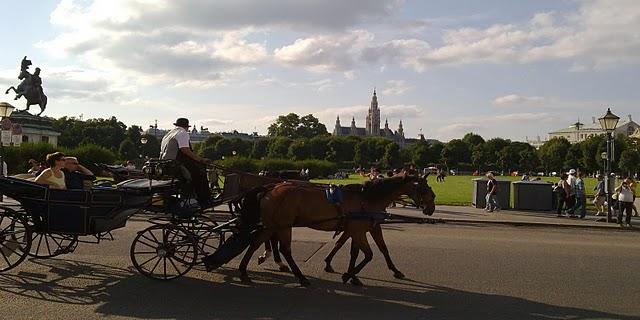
(579, 132)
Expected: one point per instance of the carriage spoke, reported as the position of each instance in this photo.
(156, 265)
(174, 266)
(148, 245)
(46, 241)
(142, 264)
(164, 262)
(39, 243)
(152, 240)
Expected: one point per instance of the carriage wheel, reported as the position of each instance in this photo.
(203, 229)
(164, 252)
(48, 245)
(15, 239)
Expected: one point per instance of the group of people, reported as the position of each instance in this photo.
(572, 200)
(571, 195)
(61, 172)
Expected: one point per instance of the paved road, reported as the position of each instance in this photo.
(455, 272)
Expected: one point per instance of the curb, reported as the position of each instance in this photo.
(540, 224)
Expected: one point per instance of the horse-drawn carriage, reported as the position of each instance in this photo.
(47, 222)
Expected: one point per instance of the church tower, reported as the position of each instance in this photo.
(337, 129)
(354, 130)
(373, 117)
(400, 135)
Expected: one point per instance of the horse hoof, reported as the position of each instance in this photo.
(261, 259)
(356, 282)
(305, 282)
(398, 275)
(329, 269)
(244, 278)
(284, 269)
(345, 277)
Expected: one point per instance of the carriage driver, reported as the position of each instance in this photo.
(176, 146)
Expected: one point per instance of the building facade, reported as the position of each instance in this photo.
(579, 132)
(35, 128)
(372, 127)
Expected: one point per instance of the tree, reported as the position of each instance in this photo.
(260, 148)
(473, 139)
(480, 157)
(128, 150)
(151, 149)
(134, 133)
(293, 126)
(391, 158)
(299, 149)
(630, 161)
(454, 152)
(553, 153)
(279, 147)
(361, 154)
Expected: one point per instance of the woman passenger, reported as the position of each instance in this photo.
(53, 175)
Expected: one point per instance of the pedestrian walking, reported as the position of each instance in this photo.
(633, 184)
(580, 207)
(599, 195)
(492, 192)
(625, 202)
(562, 193)
(571, 198)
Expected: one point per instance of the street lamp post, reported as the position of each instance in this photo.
(608, 122)
(5, 111)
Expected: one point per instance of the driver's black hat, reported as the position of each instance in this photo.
(182, 122)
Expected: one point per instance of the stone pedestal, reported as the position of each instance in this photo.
(35, 128)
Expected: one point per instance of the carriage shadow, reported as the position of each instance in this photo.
(123, 293)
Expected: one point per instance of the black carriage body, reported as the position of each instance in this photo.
(74, 212)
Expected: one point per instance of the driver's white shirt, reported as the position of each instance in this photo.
(173, 141)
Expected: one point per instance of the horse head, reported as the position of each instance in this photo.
(422, 194)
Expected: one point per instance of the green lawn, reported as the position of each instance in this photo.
(456, 190)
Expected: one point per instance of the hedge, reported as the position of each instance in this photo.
(317, 168)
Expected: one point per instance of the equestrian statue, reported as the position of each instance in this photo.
(30, 87)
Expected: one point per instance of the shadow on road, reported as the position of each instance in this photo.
(122, 292)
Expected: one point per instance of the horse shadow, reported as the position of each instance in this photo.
(123, 293)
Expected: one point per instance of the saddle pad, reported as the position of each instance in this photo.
(335, 196)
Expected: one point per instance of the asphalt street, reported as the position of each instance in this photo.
(454, 271)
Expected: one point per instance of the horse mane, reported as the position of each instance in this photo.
(381, 187)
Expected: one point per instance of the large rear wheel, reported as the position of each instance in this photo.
(15, 239)
(164, 251)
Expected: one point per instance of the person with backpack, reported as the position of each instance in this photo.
(492, 193)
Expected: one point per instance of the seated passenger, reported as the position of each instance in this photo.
(36, 167)
(53, 175)
(76, 174)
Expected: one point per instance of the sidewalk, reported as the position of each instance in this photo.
(469, 214)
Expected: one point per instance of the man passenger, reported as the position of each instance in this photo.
(76, 174)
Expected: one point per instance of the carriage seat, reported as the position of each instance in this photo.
(145, 184)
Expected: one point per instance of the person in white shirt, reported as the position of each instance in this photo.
(625, 201)
(571, 199)
(176, 145)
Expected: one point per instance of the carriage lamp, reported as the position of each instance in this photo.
(143, 140)
(608, 122)
(5, 110)
(233, 152)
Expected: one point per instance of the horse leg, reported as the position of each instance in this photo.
(376, 234)
(266, 254)
(284, 237)
(341, 241)
(352, 262)
(276, 255)
(258, 241)
(359, 241)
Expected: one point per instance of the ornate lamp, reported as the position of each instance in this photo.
(609, 121)
(5, 110)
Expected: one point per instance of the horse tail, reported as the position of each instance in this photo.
(250, 208)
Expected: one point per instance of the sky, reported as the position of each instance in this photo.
(499, 68)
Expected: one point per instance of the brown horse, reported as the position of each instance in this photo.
(288, 205)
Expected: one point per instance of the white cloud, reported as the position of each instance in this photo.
(514, 99)
(598, 36)
(396, 88)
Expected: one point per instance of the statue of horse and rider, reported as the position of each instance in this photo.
(30, 87)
